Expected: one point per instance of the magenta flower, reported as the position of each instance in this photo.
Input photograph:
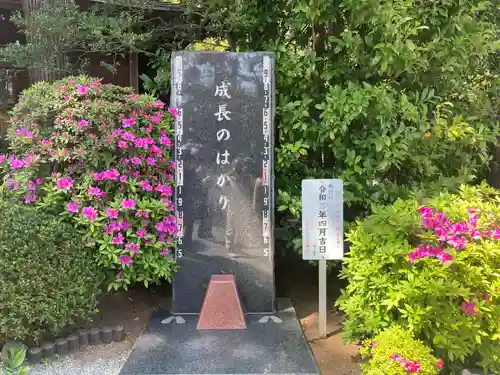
(90, 213)
(164, 252)
(155, 119)
(457, 242)
(124, 225)
(173, 112)
(2, 159)
(136, 160)
(128, 122)
(123, 179)
(495, 234)
(16, 163)
(141, 213)
(469, 308)
(475, 234)
(134, 248)
(82, 124)
(126, 260)
(81, 90)
(72, 207)
(141, 233)
(165, 190)
(95, 191)
(166, 141)
(145, 185)
(110, 174)
(128, 136)
(28, 198)
(122, 144)
(118, 239)
(112, 213)
(151, 161)
(427, 251)
(64, 183)
(128, 204)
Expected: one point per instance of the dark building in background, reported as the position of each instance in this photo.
(128, 69)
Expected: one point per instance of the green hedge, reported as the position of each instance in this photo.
(47, 279)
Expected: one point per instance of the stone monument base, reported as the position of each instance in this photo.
(271, 344)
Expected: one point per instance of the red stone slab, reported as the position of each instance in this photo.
(222, 307)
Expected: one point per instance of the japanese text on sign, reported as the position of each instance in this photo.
(322, 219)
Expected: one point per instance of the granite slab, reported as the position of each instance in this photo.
(224, 142)
(271, 344)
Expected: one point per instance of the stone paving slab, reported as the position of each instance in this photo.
(270, 345)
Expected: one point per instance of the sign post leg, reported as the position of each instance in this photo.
(322, 298)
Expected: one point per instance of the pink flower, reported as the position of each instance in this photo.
(475, 234)
(440, 364)
(126, 259)
(128, 136)
(495, 234)
(122, 144)
(72, 207)
(31, 197)
(373, 344)
(164, 252)
(155, 119)
(118, 239)
(141, 213)
(165, 141)
(145, 185)
(395, 357)
(469, 308)
(2, 159)
(81, 90)
(165, 190)
(173, 112)
(134, 248)
(457, 242)
(82, 124)
(64, 183)
(95, 191)
(141, 233)
(90, 213)
(112, 213)
(16, 163)
(128, 122)
(128, 204)
(124, 225)
(151, 161)
(123, 179)
(136, 161)
(426, 251)
(110, 174)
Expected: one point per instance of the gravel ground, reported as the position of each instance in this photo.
(99, 360)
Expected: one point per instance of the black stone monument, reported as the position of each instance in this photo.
(225, 205)
(225, 190)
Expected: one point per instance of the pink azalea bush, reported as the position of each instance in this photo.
(395, 352)
(431, 266)
(101, 157)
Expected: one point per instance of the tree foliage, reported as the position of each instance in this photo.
(387, 95)
(111, 28)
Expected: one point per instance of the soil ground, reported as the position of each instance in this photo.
(294, 279)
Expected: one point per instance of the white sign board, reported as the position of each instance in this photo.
(322, 219)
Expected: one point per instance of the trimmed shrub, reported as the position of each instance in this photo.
(395, 352)
(100, 156)
(48, 278)
(431, 266)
